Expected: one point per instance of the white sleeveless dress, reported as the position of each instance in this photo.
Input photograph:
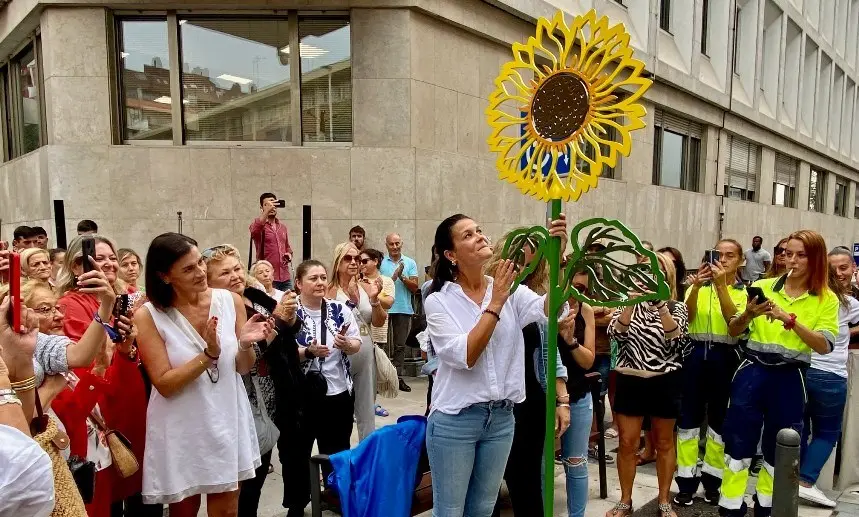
(201, 440)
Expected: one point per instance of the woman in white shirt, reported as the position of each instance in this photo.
(475, 327)
(263, 272)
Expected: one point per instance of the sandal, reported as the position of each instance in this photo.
(620, 510)
(641, 460)
(380, 411)
(665, 510)
(611, 432)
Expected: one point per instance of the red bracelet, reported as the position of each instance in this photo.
(789, 325)
(492, 313)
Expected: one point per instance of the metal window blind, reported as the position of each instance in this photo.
(742, 166)
(326, 79)
(786, 170)
(677, 124)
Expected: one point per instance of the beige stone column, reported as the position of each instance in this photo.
(766, 176)
(829, 199)
(802, 186)
(851, 199)
(77, 78)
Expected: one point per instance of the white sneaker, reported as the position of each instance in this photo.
(814, 495)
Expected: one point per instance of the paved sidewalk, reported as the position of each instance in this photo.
(645, 481)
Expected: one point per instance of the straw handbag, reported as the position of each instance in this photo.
(120, 448)
(387, 381)
(67, 498)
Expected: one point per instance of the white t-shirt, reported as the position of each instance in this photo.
(27, 478)
(836, 361)
(755, 264)
(277, 294)
(332, 366)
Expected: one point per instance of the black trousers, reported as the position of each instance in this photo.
(524, 466)
(327, 422)
(250, 491)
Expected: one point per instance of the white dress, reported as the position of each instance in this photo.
(201, 440)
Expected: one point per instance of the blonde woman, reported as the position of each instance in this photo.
(263, 272)
(362, 297)
(36, 265)
(129, 269)
(650, 340)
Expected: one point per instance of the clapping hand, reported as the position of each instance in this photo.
(210, 335)
(372, 288)
(256, 329)
(286, 309)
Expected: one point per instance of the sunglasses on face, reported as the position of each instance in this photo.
(780, 251)
(351, 258)
(366, 261)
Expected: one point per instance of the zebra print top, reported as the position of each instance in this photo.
(644, 348)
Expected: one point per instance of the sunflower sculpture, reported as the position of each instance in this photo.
(570, 104)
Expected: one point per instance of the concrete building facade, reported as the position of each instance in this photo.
(132, 111)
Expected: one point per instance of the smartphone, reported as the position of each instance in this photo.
(120, 308)
(87, 251)
(343, 329)
(280, 203)
(756, 292)
(712, 256)
(15, 291)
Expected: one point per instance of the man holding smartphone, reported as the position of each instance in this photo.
(271, 240)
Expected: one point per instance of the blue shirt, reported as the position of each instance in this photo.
(402, 295)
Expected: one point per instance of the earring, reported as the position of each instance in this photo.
(453, 263)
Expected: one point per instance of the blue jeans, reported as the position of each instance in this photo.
(574, 451)
(827, 395)
(602, 365)
(467, 454)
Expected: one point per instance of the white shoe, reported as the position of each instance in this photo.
(814, 495)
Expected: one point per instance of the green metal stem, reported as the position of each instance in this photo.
(555, 294)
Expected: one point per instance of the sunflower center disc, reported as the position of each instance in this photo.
(560, 106)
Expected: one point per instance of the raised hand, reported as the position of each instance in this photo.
(256, 329)
(286, 309)
(210, 335)
(505, 274)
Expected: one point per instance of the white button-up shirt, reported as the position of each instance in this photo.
(499, 372)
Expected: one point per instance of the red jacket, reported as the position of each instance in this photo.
(123, 401)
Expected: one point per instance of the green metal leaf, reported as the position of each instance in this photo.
(616, 278)
(535, 238)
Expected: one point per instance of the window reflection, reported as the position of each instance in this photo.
(235, 79)
(326, 80)
(146, 80)
(672, 159)
(28, 94)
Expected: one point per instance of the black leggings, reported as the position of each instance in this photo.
(251, 489)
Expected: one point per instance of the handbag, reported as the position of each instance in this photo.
(68, 501)
(124, 460)
(83, 472)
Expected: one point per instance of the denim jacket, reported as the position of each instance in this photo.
(541, 361)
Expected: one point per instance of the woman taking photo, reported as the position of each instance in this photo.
(715, 295)
(197, 342)
(524, 466)
(36, 265)
(225, 271)
(576, 344)
(263, 272)
(329, 336)
(362, 297)
(650, 339)
(787, 318)
(129, 269)
(475, 327)
(127, 412)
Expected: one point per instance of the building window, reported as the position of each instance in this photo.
(665, 15)
(817, 191)
(841, 189)
(238, 79)
(607, 172)
(235, 84)
(145, 80)
(784, 185)
(856, 204)
(677, 151)
(705, 22)
(741, 172)
(326, 80)
(23, 103)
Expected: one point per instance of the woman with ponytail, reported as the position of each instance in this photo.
(475, 327)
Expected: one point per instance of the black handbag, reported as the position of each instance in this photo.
(317, 386)
(83, 472)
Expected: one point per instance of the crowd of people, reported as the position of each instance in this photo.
(120, 395)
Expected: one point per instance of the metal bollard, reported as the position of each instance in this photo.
(786, 476)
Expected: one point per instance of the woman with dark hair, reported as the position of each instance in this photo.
(196, 341)
(768, 390)
(779, 265)
(475, 326)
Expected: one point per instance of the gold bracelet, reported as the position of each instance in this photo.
(25, 385)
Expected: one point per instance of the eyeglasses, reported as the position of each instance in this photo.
(351, 258)
(45, 311)
(366, 261)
